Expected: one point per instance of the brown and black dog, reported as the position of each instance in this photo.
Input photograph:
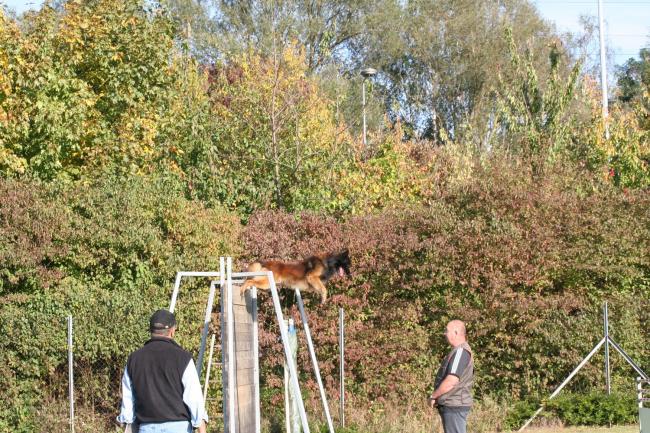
(308, 275)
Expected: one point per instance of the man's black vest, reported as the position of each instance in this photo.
(156, 373)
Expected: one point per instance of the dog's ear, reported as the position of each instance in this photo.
(346, 252)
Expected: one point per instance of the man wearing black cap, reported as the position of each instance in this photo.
(160, 387)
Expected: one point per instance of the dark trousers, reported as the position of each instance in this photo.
(454, 419)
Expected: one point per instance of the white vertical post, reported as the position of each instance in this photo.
(292, 417)
(603, 66)
(314, 361)
(293, 372)
(207, 372)
(225, 373)
(177, 285)
(231, 347)
(287, 402)
(70, 374)
(342, 368)
(608, 380)
(256, 362)
(206, 327)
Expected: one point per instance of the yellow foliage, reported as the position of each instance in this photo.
(275, 124)
(391, 177)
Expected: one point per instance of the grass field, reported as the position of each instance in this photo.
(615, 429)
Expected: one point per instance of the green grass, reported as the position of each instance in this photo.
(615, 429)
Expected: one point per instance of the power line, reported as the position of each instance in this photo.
(583, 3)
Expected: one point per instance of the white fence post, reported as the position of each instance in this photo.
(70, 374)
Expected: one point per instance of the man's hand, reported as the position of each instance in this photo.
(432, 402)
(202, 428)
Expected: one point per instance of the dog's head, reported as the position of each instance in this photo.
(342, 262)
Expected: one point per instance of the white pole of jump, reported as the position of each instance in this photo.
(231, 347)
(207, 372)
(314, 361)
(224, 370)
(177, 285)
(206, 327)
(256, 362)
(293, 372)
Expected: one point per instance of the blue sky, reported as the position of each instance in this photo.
(627, 21)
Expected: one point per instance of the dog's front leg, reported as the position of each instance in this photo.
(318, 286)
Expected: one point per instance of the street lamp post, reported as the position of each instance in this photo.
(365, 73)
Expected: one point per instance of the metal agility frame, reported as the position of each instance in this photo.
(607, 341)
(225, 278)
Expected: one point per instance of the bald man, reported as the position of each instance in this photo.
(453, 388)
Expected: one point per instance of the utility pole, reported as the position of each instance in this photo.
(365, 73)
(603, 66)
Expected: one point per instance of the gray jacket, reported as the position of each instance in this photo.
(461, 394)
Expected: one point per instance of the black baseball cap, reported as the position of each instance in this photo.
(162, 319)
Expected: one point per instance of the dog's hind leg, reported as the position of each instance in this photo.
(259, 282)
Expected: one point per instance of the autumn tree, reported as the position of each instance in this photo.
(278, 144)
(533, 113)
(92, 85)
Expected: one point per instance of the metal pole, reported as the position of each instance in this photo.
(287, 403)
(177, 285)
(206, 327)
(225, 373)
(603, 66)
(256, 362)
(231, 347)
(292, 415)
(628, 359)
(70, 374)
(314, 361)
(342, 368)
(559, 388)
(608, 380)
(293, 372)
(207, 373)
(363, 93)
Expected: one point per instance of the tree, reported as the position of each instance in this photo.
(278, 144)
(634, 77)
(436, 72)
(93, 85)
(326, 29)
(534, 113)
(440, 70)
